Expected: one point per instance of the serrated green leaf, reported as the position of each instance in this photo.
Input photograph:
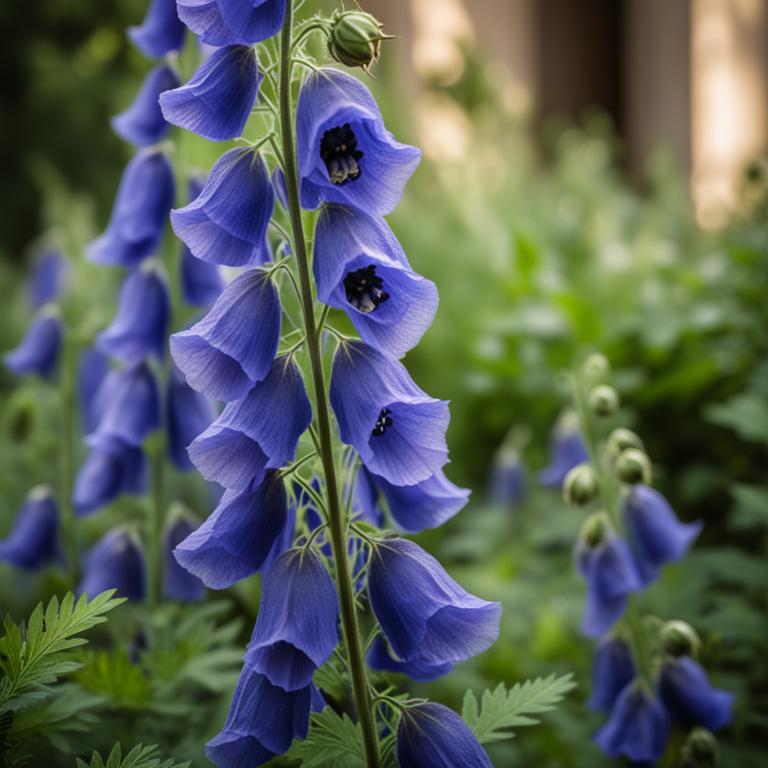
(139, 757)
(332, 740)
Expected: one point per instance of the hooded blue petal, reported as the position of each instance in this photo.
(296, 629)
(432, 736)
(331, 99)
(217, 102)
(91, 372)
(507, 484)
(612, 672)
(188, 413)
(284, 539)
(380, 658)
(46, 281)
(366, 388)
(278, 184)
(655, 534)
(257, 433)
(161, 31)
(567, 450)
(39, 350)
(234, 345)
(227, 223)
(424, 613)
(143, 123)
(237, 538)
(637, 728)
(689, 697)
(224, 22)
(33, 540)
(115, 562)
(140, 326)
(179, 584)
(139, 214)
(360, 267)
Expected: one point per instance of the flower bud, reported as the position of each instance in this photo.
(700, 750)
(596, 367)
(679, 638)
(594, 529)
(633, 466)
(621, 439)
(355, 38)
(580, 485)
(604, 400)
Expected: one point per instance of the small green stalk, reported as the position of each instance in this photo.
(69, 458)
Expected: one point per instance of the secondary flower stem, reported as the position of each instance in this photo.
(335, 521)
(68, 457)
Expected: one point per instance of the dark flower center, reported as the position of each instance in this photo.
(384, 421)
(365, 291)
(339, 151)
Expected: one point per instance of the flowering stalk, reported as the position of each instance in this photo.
(68, 457)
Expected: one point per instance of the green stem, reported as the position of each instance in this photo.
(335, 521)
(156, 521)
(68, 459)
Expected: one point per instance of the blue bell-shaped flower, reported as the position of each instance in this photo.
(345, 153)
(566, 449)
(188, 414)
(115, 562)
(217, 102)
(91, 372)
(40, 348)
(140, 211)
(284, 539)
(237, 538)
(48, 277)
(227, 223)
(257, 433)
(432, 736)
(161, 32)
(178, 583)
(360, 267)
(398, 430)
(507, 483)
(34, 538)
(612, 672)
(223, 356)
(380, 658)
(224, 22)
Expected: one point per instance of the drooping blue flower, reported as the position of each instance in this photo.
(179, 584)
(140, 326)
(345, 153)
(426, 616)
(381, 659)
(38, 352)
(91, 372)
(236, 539)
(637, 727)
(612, 672)
(278, 184)
(257, 433)
(432, 736)
(217, 102)
(507, 484)
(34, 538)
(234, 345)
(263, 721)
(567, 449)
(143, 123)
(140, 211)
(115, 562)
(284, 539)
(224, 22)
(161, 31)
(188, 414)
(689, 697)
(46, 281)
(655, 534)
(227, 223)
(296, 629)
(361, 268)
(112, 468)
(398, 430)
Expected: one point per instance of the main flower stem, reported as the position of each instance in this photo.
(335, 518)
(68, 458)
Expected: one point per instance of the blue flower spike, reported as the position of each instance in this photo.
(161, 31)
(115, 562)
(188, 414)
(612, 672)
(567, 450)
(39, 350)
(48, 276)
(34, 538)
(225, 22)
(178, 583)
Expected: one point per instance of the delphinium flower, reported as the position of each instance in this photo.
(178, 583)
(38, 352)
(33, 541)
(567, 450)
(48, 277)
(116, 561)
(507, 484)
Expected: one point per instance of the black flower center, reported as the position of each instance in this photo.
(365, 291)
(384, 421)
(339, 151)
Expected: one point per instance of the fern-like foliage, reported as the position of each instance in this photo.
(139, 757)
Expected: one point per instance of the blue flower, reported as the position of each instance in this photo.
(398, 430)
(690, 698)
(567, 450)
(140, 325)
(361, 268)
(432, 736)
(33, 540)
(91, 372)
(507, 485)
(295, 630)
(235, 541)
(263, 721)
(217, 102)
(179, 584)
(380, 658)
(257, 433)
(161, 31)
(278, 184)
(113, 467)
(284, 539)
(143, 123)
(143, 200)
(655, 534)
(345, 153)
(637, 727)
(115, 562)
(188, 413)
(612, 672)
(227, 223)
(426, 616)
(221, 356)
(39, 350)
(49, 272)
(223, 22)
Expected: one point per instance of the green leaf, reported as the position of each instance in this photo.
(747, 414)
(332, 740)
(505, 708)
(751, 508)
(139, 757)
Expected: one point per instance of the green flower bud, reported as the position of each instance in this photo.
(621, 439)
(580, 485)
(700, 750)
(594, 529)
(596, 367)
(604, 400)
(633, 466)
(355, 38)
(678, 638)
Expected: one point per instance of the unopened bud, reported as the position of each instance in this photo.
(355, 38)
(596, 368)
(604, 400)
(678, 638)
(594, 530)
(621, 439)
(700, 750)
(633, 466)
(580, 485)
